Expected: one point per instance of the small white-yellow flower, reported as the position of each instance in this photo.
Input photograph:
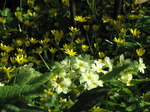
(141, 66)
(126, 78)
(81, 65)
(63, 86)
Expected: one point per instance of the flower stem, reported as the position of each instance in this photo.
(44, 62)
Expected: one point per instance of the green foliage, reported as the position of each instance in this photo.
(89, 98)
(113, 74)
(109, 41)
(10, 93)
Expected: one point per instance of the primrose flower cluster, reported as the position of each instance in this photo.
(77, 72)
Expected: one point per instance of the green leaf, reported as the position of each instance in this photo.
(88, 99)
(131, 108)
(7, 93)
(30, 76)
(23, 78)
(41, 79)
(138, 81)
(107, 77)
(6, 12)
(130, 44)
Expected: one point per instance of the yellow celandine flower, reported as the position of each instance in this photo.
(101, 54)
(38, 50)
(5, 57)
(119, 40)
(35, 15)
(18, 14)
(33, 40)
(28, 23)
(53, 50)
(43, 100)
(66, 2)
(63, 101)
(74, 29)
(30, 2)
(45, 41)
(48, 92)
(2, 20)
(5, 48)
(21, 58)
(133, 16)
(96, 27)
(135, 32)
(80, 19)
(8, 71)
(53, 12)
(95, 45)
(140, 51)
(18, 42)
(50, 110)
(30, 12)
(80, 40)
(98, 39)
(58, 34)
(72, 34)
(120, 17)
(12, 59)
(76, 91)
(140, 1)
(97, 109)
(86, 27)
(85, 47)
(7, 31)
(27, 43)
(34, 60)
(123, 32)
(37, 8)
(70, 52)
(66, 46)
(141, 12)
(21, 51)
(117, 24)
(106, 19)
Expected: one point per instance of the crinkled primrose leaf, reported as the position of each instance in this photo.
(107, 77)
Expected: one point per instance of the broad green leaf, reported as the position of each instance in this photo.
(41, 79)
(131, 108)
(7, 93)
(23, 78)
(88, 99)
(130, 44)
(6, 12)
(138, 81)
(107, 77)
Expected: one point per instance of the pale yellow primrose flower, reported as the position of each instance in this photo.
(124, 61)
(141, 66)
(91, 79)
(81, 65)
(1, 84)
(126, 78)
